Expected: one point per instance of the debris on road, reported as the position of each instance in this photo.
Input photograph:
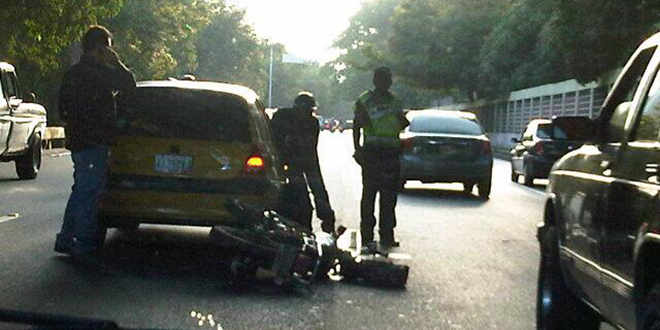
(270, 246)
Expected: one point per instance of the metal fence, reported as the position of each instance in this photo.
(512, 115)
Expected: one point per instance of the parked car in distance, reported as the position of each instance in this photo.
(348, 124)
(447, 146)
(600, 236)
(22, 125)
(543, 142)
(184, 148)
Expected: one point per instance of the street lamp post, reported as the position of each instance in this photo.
(270, 79)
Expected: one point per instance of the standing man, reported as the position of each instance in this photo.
(379, 118)
(88, 106)
(296, 134)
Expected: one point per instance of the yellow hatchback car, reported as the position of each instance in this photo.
(183, 149)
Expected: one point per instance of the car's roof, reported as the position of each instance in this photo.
(443, 113)
(248, 94)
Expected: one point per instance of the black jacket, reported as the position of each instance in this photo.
(296, 137)
(87, 102)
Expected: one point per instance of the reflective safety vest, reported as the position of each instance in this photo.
(384, 125)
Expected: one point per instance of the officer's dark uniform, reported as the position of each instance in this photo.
(380, 116)
(296, 134)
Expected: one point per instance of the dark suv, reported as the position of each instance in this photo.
(543, 142)
(600, 239)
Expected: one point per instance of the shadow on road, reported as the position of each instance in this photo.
(176, 254)
(424, 195)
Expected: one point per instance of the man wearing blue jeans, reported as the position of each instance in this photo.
(87, 104)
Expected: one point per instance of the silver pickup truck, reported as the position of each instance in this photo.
(22, 125)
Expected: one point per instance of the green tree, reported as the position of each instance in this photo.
(596, 36)
(229, 50)
(436, 43)
(157, 38)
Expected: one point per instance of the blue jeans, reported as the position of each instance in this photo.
(81, 232)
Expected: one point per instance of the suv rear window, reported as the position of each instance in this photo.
(185, 114)
(577, 129)
(445, 125)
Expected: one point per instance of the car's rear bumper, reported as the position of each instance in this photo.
(540, 166)
(134, 201)
(429, 170)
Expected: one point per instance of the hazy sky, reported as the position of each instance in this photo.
(306, 27)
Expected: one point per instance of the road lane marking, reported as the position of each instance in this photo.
(9, 217)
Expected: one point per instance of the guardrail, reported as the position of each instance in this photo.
(53, 134)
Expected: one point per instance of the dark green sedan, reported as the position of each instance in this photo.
(447, 146)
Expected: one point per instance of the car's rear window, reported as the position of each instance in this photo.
(577, 129)
(185, 114)
(445, 124)
(544, 131)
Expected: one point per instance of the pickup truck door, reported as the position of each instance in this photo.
(584, 210)
(20, 121)
(632, 197)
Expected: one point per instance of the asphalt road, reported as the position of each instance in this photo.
(473, 263)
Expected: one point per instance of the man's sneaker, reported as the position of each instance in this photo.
(369, 248)
(390, 244)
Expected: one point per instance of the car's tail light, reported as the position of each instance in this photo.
(538, 148)
(256, 163)
(407, 144)
(485, 148)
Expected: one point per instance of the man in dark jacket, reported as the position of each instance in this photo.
(296, 133)
(88, 106)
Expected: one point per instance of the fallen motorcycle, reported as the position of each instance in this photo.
(270, 245)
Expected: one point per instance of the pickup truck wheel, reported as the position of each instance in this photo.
(556, 307)
(649, 311)
(27, 166)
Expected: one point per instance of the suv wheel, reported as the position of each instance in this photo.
(556, 307)
(467, 187)
(27, 166)
(514, 175)
(649, 312)
(529, 177)
(484, 188)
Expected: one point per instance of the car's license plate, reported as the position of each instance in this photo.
(173, 164)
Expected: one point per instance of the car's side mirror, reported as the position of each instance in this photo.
(31, 97)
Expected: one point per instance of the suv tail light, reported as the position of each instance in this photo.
(256, 163)
(485, 148)
(407, 144)
(538, 148)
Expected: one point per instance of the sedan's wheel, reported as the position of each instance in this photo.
(484, 188)
(529, 177)
(467, 187)
(556, 307)
(28, 165)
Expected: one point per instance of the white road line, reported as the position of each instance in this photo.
(9, 217)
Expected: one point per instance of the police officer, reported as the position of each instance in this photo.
(379, 118)
(296, 134)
